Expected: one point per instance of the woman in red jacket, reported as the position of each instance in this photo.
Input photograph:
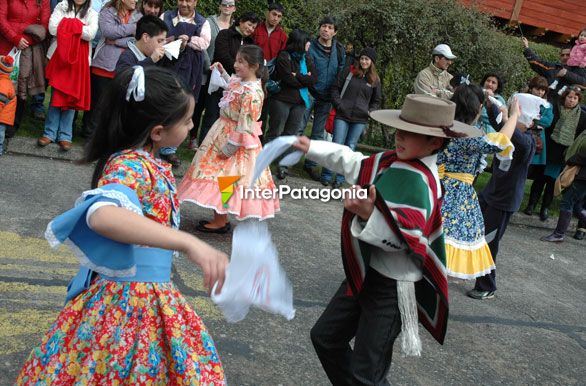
(23, 24)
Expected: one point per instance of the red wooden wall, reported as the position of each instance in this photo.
(565, 17)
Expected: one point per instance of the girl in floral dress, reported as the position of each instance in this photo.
(124, 321)
(230, 149)
(467, 253)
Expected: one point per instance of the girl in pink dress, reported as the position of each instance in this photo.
(230, 150)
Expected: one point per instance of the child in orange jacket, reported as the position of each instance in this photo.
(7, 97)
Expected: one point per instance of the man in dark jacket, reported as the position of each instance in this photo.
(148, 50)
(328, 57)
(555, 71)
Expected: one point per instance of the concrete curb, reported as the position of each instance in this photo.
(28, 147)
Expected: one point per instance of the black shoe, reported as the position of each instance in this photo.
(312, 173)
(544, 214)
(324, 182)
(580, 233)
(529, 209)
(480, 295)
(222, 230)
(553, 238)
(282, 174)
(204, 222)
(336, 185)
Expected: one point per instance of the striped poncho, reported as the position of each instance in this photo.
(407, 197)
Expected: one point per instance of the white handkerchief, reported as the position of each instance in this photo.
(274, 150)
(172, 49)
(530, 105)
(498, 104)
(254, 276)
(216, 81)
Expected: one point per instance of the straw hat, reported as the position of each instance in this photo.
(426, 115)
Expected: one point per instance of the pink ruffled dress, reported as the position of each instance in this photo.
(240, 109)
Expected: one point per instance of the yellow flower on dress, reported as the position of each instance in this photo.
(104, 339)
(140, 288)
(167, 310)
(101, 367)
(73, 369)
(77, 306)
(133, 301)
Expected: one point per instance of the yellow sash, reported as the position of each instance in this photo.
(466, 178)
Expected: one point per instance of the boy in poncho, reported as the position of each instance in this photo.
(392, 244)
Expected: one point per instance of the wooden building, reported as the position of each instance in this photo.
(554, 20)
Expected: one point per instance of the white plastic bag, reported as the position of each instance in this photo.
(15, 53)
(216, 81)
(254, 276)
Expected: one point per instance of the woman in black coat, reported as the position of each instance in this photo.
(296, 74)
(355, 94)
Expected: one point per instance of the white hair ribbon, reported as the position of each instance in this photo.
(465, 80)
(136, 85)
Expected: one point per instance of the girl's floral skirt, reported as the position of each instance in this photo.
(125, 333)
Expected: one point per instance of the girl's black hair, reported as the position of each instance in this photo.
(253, 55)
(126, 124)
(82, 10)
(499, 79)
(468, 99)
(248, 16)
(296, 41)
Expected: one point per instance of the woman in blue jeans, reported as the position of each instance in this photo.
(356, 92)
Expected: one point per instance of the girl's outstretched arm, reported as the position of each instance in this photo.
(124, 226)
(509, 127)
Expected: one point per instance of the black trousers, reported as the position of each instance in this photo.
(540, 182)
(373, 319)
(198, 110)
(99, 85)
(495, 224)
(211, 113)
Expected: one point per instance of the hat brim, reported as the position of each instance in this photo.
(392, 118)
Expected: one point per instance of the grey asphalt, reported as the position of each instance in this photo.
(533, 332)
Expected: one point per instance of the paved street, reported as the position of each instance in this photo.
(533, 332)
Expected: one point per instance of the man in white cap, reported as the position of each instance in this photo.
(434, 80)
